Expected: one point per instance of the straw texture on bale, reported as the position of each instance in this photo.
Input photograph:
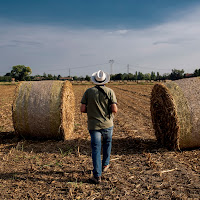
(175, 111)
(44, 110)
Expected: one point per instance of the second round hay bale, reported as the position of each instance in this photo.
(44, 110)
(175, 110)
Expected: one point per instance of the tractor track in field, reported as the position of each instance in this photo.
(128, 103)
(131, 91)
(133, 113)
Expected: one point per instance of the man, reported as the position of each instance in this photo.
(100, 103)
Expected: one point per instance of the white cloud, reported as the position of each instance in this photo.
(120, 32)
(175, 44)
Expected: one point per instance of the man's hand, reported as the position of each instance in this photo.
(83, 108)
(114, 108)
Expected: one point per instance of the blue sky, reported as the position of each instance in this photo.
(83, 35)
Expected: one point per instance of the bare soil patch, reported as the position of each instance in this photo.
(140, 168)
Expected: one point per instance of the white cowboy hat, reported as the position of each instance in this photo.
(100, 78)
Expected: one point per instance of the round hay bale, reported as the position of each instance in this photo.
(44, 110)
(175, 111)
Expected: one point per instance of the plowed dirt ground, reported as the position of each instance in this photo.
(140, 168)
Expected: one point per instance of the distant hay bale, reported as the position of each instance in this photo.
(175, 110)
(44, 110)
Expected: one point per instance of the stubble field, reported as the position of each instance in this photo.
(140, 168)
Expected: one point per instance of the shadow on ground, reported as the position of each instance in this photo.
(122, 146)
(47, 176)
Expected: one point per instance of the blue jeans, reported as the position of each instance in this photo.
(96, 148)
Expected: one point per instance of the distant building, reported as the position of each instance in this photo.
(66, 78)
(38, 78)
(188, 75)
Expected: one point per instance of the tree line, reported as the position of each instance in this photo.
(23, 73)
(174, 75)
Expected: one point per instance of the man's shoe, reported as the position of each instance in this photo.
(105, 168)
(96, 180)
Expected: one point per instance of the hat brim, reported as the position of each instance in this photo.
(107, 79)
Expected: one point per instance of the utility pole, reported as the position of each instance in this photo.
(128, 69)
(69, 72)
(111, 65)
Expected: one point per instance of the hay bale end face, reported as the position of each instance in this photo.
(175, 111)
(44, 110)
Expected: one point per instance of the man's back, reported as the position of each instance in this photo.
(98, 108)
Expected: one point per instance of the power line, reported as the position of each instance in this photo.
(64, 69)
(131, 66)
(87, 66)
(71, 68)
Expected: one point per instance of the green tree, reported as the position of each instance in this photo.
(75, 78)
(176, 74)
(44, 75)
(87, 78)
(118, 76)
(130, 76)
(124, 76)
(153, 76)
(7, 74)
(165, 76)
(140, 76)
(158, 77)
(136, 75)
(49, 77)
(197, 72)
(112, 77)
(59, 76)
(20, 72)
(81, 78)
(5, 78)
(147, 76)
(28, 78)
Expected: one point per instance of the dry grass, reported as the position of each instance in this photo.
(140, 167)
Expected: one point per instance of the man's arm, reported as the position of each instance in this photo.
(114, 108)
(83, 108)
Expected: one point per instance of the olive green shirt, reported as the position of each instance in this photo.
(98, 108)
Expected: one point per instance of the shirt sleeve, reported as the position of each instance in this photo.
(84, 98)
(113, 97)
